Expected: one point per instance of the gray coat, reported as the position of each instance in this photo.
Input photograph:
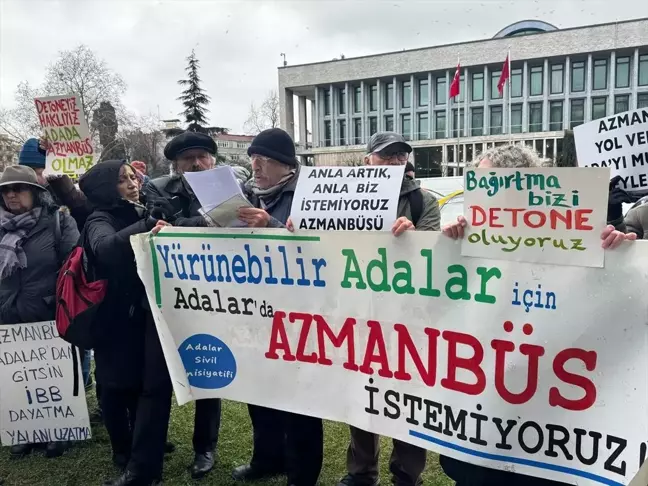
(279, 208)
(28, 294)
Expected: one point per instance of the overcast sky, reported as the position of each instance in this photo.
(239, 43)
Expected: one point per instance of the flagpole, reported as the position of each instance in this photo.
(510, 80)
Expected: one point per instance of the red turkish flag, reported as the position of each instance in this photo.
(454, 86)
(506, 73)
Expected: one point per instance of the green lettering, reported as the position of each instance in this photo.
(352, 270)
(486, 274)
(460, 281)
(381, 265)
(405, 276)
(429, 290)
(471, 180)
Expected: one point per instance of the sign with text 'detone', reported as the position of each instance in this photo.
(69, 146)
(42, 397)
(347, 198)
(539, 215)
(619, 142)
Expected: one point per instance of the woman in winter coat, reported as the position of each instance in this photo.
(135, 407)
(35, 239)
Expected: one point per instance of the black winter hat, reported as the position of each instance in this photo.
(275, 144)
(188, 141)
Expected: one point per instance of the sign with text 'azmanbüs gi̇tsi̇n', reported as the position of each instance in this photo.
(40, 398)
(541, 215)
(347, 198)
(619, 142)
(69, 147)
(510, 365)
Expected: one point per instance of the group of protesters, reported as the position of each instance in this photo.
(42, 219)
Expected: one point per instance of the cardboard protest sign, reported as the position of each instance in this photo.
(543, 215)
(39, 401)
(347, 198)
(619, 142)
(509, 365)
(69, 147)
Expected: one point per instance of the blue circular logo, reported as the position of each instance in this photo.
(208, 361)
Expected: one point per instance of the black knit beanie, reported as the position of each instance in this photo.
(275, 144)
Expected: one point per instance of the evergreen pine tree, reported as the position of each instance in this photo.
(194, 98)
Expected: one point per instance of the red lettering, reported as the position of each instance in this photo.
(582, 219)
(533, 352)
(40, 106)
(475, 210)
(279, 339)
(346, 334)
(406, 346)
(555, 216)
(494, 217)
(542, 219)
(303, 336)
(468, 364)
(376, 340)
(555, 397)
(514, 214)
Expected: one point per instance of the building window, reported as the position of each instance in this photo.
(578, 77)
(535, 117)
(577, 113)
(373, 125)
(477, 121)
(406, 94)
(516, 118)
(357, 99)
(622, 76)
(373, 97)
(642, 100)
(599, 107)
(327, 133)
(423, 126)
(496, 120)
(342, 131)
(557, 78)
(423, 92)
(439, 124)
(357, 131)
(327, 101)
(535, 81)
(406, 123)
(621, 103)
(643, 70)
(555, 116)
(458, 129)
(478, 87)
(342, 101)
(389, 96)
(495, 94)
(389, 123)
(462, 89)
(516, 83)
(441, 92)
(599, 78)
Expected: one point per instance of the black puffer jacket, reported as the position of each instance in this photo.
(121, 317)
(27, 295)
(175, 187)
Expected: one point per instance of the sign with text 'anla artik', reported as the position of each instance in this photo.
(509, 365)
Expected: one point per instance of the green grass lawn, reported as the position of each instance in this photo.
(90, 463)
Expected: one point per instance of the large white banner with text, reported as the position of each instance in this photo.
(540, 369)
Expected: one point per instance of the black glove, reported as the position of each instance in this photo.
(616, 198)
(161, 208)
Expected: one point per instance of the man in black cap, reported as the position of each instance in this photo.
(170, 198)
(417, 210)
(283, 442)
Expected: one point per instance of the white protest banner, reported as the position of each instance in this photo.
(69, 147)
(347, 198)
(39, 401)
(539, 369)
(619, 142)
(538, 215)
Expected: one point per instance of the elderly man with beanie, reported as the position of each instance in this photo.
(171, 199)
(283, 441)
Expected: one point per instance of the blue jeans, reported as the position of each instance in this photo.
(86, 358)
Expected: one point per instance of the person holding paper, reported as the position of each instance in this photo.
(35, 239)
(170, 198)
(465, 474)
(283, 441)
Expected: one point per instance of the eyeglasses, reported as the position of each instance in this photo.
(14, 188)
(389, 154)
(260, 158)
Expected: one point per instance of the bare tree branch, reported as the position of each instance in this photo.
(265, 116)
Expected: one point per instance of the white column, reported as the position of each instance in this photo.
(317, 122)
(545, 96)
(525, 97)
(612, 81)
(290, 113)
(430, 107)
(363, 113)
(303, 127)
(567, 90)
